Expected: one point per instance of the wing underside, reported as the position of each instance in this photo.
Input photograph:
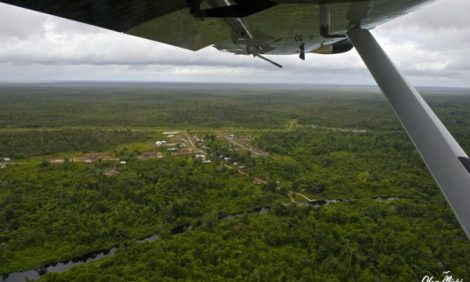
(166, 21)
(276, 26)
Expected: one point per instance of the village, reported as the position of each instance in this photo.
(175, 143)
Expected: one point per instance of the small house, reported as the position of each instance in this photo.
(201, 157)
(160, 143)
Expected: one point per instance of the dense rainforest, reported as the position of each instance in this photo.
(23, 144)
(307, 184)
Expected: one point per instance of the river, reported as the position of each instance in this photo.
(35, 274)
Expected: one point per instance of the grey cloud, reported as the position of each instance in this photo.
(430, 45)
(437, 15)
(12, 28)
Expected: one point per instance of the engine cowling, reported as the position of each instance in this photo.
(339, 47)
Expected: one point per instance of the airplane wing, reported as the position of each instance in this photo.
(166, 21)
(239, 26)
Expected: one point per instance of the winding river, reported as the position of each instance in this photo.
(35, 274)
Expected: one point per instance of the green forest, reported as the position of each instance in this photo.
(256, 183)
(210, 106)
(28, 143)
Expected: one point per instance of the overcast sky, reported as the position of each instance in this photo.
(431, 46)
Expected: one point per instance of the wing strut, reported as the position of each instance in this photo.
(445, 159)
(268, 60)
